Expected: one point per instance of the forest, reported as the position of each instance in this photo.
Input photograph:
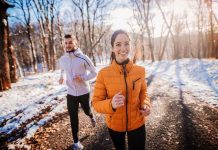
(32, 32)
(175, 41)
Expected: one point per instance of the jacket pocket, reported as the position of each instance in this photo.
(134, 82)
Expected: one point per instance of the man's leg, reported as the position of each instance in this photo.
(84, 101)
(72, 106)
(136, 138)
(118, 139)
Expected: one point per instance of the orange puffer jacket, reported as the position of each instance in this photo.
(111, 80)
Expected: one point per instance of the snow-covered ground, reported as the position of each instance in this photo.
(197, 77)
(23, 105)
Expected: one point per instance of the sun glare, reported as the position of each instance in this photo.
(120, 18)
(180, 6)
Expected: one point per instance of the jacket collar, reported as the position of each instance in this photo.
(119, 68)
(73, 53)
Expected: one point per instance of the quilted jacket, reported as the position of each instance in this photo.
(130, 80)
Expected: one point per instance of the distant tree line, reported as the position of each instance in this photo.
(32, 40)
(179, 37)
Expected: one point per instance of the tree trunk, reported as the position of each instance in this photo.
(12, 60)
(84, 32)
(4, 63)
(13, 64)
(19, 68)
(54, 55)
(151, 47)
(212, 49)
(143, 47)
(45, 44)
(169, 27)
(51, 52)
(60, 32)
(33, 51)
(199, 30)
(164, 47)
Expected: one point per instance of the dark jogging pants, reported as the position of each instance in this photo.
(72, 106)
(136, 139)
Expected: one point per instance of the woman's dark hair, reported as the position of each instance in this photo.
(113, 37)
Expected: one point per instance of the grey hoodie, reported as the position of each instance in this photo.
(77, 63)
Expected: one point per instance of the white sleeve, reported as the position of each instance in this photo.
(91, 68)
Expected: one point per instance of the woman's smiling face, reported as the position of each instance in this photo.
(121, 47)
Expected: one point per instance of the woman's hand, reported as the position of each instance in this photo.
(118, 100)
(145, 111)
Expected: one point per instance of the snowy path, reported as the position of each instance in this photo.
(31, 103)
(179, 121)
(27, 120)
(199, 78)
(184, 110)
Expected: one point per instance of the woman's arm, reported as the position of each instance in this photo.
(99, 100)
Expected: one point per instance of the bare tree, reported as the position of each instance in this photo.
(51, 33)
(135, 37)
(5, 80)
(20, 44)
(12, 59)
(178, 27)
(199, 12)
(169, 28)
(92, 14)
(188, 35)
(60, 32)
(39, 14)
(162, 50)
(211, 39)
(25, 6)
(44, 12)
(143, 9)
(13, 64)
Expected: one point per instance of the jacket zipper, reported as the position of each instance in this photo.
(133, 82)
(125, 76)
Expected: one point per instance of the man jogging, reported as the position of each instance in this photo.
(79, 69)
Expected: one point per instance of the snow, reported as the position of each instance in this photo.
(22, 106)
(198, 77)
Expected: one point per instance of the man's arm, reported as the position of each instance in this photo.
(91, 68)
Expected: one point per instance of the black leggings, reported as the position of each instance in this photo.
(72, 106)
(136, 139)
